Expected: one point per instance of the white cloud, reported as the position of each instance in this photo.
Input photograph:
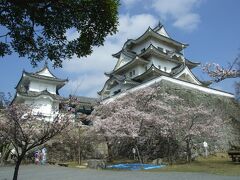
(129, 3)
(181, 11)
(174, 7)
(90, 70)
(133, 26)
(86, 84)
(72, 34)
(188, 22)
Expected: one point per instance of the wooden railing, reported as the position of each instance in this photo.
(234, 155)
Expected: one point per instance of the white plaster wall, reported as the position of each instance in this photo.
(55, 107)
(122, 61)
(189, 73)
(122, 87)
(139, 69)
(138, 47)
(163, 63)
(163, 32)
(115, 88)
(145, 44)
(159, 44)
(39, 86)
(125, 58)
(45, 72)
(128, 73)
(29, 102)
(44, 105)
(41, 105)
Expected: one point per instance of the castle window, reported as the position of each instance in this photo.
(159, 67)
(116, 92)
(165, 68)
(167, 51)
(133, 72)
(142, 50)
(159, 48)
(146, 68)
(130, 73)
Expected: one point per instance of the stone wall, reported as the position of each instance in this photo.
(229, 107)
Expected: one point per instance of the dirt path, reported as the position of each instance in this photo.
(32, 172)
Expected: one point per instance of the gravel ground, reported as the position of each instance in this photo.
(32, 172)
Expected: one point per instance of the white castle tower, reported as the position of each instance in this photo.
(40, 90)
(150, 58)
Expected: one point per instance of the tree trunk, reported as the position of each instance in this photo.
(81, 158)
(79, 146)
(74, 156)
(5, 153)
(189, 153)
(109, 147)
(170, 161)
(79, 154)
(18, 162)
(139, 156)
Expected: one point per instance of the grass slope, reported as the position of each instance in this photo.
(219, 164)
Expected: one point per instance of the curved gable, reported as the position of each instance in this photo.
(46, 72)
(188, 76)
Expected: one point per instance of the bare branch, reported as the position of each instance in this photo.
(4, 35)
(26, 130)
(219, 73)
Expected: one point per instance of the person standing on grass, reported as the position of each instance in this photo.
(205, 145)
(37, 157)
(43, 156)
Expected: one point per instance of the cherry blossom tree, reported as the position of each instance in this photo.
(219, 73)
(152, 113)
(196, 123)
(78, 141)
(25, 130)
(4, 143)
(116, 120)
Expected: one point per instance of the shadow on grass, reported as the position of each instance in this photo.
(219, 164)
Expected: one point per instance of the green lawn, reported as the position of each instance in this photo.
(218, 164)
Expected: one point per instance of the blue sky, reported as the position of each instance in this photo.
(210, 27)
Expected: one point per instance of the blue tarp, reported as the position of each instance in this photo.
(135, 166)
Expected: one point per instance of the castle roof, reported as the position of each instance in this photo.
(42, 77)
(151, 73)
(181, 83)
(154, 34)
(30, 94)
(128, 53)
(85, 100)
(142, 59)
(134, 62)
(170, 56)
(150, 51)
(43, 74)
